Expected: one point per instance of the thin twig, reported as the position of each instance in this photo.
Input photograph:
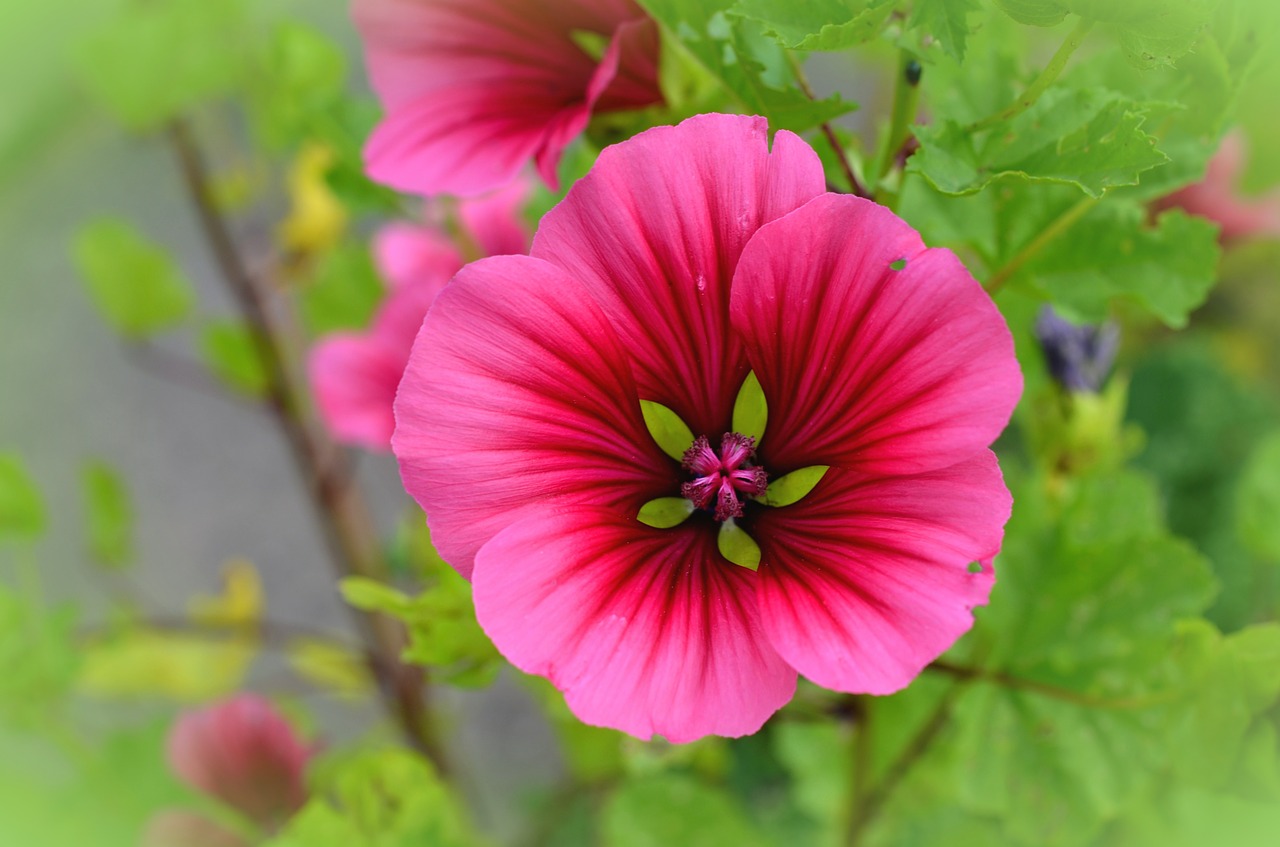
(348, 529)
(906, 98)
(1042, 82)
(179, 370)
(828, 131)
(1045, 689)
(1060, 225)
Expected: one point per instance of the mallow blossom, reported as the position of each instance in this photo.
(720, 428)
(243, 753)
(475, 89)
(354, 374)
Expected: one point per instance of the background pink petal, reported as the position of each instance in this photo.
(475, 88)
(864, 366)
(405, 253)
(518, 394)
(865, 581)
(647, 631)
(354, 379)
(655, 231)
(496, 220)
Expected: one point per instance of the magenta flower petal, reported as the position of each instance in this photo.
(655, 231)
(244, 753)
(643, 630)
(405, 253)
(474, 89)
(354, 379)
(518, 395)
(882, 370)
(495, 220)
(866, 580)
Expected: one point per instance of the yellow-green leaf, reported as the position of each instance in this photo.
(793, 487)
(665, 512)
(671, 434)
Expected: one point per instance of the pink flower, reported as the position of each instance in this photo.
(355, 375)
(689, 258)
(244, 753)
(474, 89)
(1218, 198)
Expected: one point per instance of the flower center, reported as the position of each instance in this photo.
(724, 477)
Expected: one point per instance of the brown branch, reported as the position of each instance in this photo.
(348, 530)
(828, 131)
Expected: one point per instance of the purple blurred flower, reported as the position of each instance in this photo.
(1079, 356)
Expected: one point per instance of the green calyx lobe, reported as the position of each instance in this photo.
(671, 434)
(738, 547)
(750, 409)
(793, 487)
(665, 512)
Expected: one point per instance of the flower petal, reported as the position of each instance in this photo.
(866, 580)
(404, 253)
(517, 394)
(495, 220)
(864, 366)
(354, 379)
(655, 231)
(647, 631)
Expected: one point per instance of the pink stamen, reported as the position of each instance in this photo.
(725, 478)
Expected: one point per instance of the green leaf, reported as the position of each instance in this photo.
(344, 292)
(793, 487)
(751, 65)
(670, 433)
(665, 512)
(1258, 498)
(39, 653)
(133, 281)
(370, 595)
(593, 753)
(21, 507)
(108, 515)
(750, 409)
(230, 351)
(1091, 138)
(379, 798)
(818, 24)
(738, 547)
(300, 76)
(1167, 269)
(1034, 12)
(670, 809)
(946, 21)
(156, 60)
(817, 757)
(138, 662)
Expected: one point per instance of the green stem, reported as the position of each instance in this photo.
(828, 131)
(1045, 689)
(906, 99)
(1060, 225)
(1041, 83)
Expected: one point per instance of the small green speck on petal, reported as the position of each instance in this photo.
(672, 434)
(793, 487)
(665, 512)
(750, 410)
(738, 547)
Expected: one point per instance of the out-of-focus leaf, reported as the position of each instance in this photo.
(1114, 253)
(330, 667)
(108, 515)
(138, 663)
(379, 798)
(946, 22)
(1258, 499)
(159, 59)
(229, 350)
(592, 753)
(133, 281)
(300, 75)
(39, 655)
(667, 809)
(343, 291)
(241, 603)
(21, 507)
(817, 757)
(316, 217)
(818, 24)
(1091, 138)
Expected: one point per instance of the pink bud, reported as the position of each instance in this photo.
(244, 753)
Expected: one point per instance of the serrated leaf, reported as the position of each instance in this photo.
(1091, 138)
(670, 809)
(133, 281)
(670, 433)
(793, 487)
(818, 24)
(21, 506)
(230, 351)
(751, 409)
(157, 60)
(751, 65)
(946, 21)
(665, 512)
(108, 515)
(1114, 253)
